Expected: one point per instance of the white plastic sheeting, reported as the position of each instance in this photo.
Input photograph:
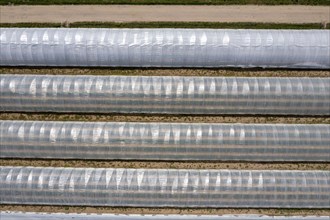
(87, 216)
(165, 187)
(165, 47)
(164, 141)
(169, 95)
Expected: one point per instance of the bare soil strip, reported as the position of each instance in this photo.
(164, 118)
(166, 72)
(165, 165)
(173, 13)
(184, 211)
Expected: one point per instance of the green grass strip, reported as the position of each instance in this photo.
(167, 2)
(214, 25)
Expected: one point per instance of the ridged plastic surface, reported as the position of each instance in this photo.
(165, 47)
(164, 141)
(169, 95)
(84, 216)
(164, 187)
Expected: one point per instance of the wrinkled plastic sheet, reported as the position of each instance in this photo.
(164, 141)
(165, 187)
(87, 216)
(165, 94)
(165, 47)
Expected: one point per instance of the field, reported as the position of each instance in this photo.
(167, 118)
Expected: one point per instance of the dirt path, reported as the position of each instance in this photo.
(130, 13)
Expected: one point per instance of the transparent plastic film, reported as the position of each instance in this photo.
(164, 141)
(165, 94)
(7, 215)
(164, 187)
(309, 49)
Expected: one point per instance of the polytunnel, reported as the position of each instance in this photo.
(165, 94)
(164, 141)
(165, 47)
(7, 215)
(165, 187)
